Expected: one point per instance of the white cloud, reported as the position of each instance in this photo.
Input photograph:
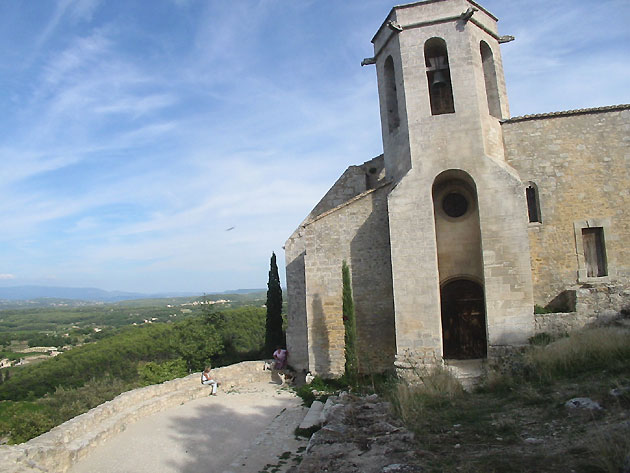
(83, 52)
(134, 106)
(133, 147)
(19, 163)
(7, 276)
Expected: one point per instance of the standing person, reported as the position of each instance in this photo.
(206, 379)
(280, 358)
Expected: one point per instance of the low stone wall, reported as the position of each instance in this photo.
(603, 301)
(558, 322)
(594, 305)
(57, 450)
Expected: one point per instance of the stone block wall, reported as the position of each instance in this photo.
(415, 270)
(354, 181)
(358, 233)
(580, 163)
(594, 305)
(57, 450)
(603, 301)
(297, 330)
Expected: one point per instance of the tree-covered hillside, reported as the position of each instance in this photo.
(65, 325)
(32, 396)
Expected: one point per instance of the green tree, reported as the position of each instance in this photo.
(349, 323)
(196, 343)
(213, 317)
(274, 336)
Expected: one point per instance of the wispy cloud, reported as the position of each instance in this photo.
(72, 10)
(130, 144)
(562, 51)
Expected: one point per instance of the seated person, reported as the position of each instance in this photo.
(280, 358)
(206, 379)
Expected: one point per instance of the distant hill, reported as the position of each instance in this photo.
(51, 295)
(240, 291)
(16, 293)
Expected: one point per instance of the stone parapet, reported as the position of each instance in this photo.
(57, 450)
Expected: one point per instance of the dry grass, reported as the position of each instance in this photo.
(426, 387)
(610, 450)
(587, 350)
(517, 421)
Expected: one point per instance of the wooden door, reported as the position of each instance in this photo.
(463, 320)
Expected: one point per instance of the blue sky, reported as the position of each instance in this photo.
(134, 134)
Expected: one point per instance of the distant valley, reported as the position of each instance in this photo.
(52, 296)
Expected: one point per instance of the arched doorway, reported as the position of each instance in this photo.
(463, 320)
(460, 265)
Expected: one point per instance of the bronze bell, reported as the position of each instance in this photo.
(439, 80)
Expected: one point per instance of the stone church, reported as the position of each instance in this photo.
(470, 217)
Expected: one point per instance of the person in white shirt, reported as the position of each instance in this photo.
(206, 379)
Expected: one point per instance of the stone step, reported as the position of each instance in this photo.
(313, 417)
(468, 372)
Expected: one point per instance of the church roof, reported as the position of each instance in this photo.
(579, 111)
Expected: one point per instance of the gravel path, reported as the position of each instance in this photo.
(244, 431)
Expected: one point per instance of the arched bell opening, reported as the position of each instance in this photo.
(438, 76)
(391, 95)
(463, 320)
(490, 78)
(460, 265)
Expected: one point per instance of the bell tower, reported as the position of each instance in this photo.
(440, 81)
(457, 211)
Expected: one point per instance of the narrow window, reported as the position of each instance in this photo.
(533, 204)
(391, 95)
(490, 76)
(594, 252)
(438, 76)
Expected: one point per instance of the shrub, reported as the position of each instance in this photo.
(11, 415)
(29, 424)
(64, 403)
(320, 389)
(541, 339)
(538, 309)
(155, 373)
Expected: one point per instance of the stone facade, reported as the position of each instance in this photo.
(357, 232)
(469, 218)
(579, 163)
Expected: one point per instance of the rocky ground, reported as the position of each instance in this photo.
(360, 435)
(548, 431)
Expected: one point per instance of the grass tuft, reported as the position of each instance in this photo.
(585, 351)
(610, 451)
(429, 387)
(516, 420)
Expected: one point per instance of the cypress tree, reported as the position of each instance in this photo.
(274, 336)
(349, 323)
